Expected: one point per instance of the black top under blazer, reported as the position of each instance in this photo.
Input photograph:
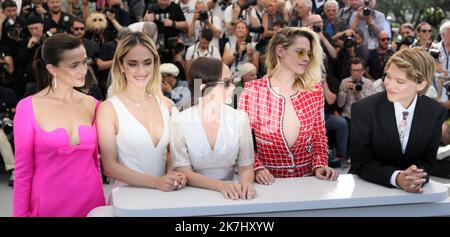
(375, 144)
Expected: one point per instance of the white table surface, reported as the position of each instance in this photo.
(295, 195)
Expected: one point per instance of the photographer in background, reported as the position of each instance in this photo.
(7, 109)
(351, 45)
(170, 20)
(275, 12)
(370, 22)
(239, 50)
(24, 57)
(33, 8)
(203, 20)
(442, 56)
(405, 37)
(55, 20)
(13, 28)
(203, 48)
(354, 88)
(378, 57)
(240, 11)
(315, 22)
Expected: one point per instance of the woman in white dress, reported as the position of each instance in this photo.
(211, 139)
(133, 124)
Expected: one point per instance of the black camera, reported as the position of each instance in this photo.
(366, 10)
(13, 30)
(316, 28)
(408, 41)
(349, 41)
(29, 7)
(358, 84)
(435, 53)
(257, 30)
(203, 15)
(115, 9)
(247, 4)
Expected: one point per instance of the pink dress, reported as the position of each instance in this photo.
(53, 178)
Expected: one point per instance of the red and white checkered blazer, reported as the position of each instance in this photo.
(265, 110)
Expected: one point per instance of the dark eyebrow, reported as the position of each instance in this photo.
(76, 62)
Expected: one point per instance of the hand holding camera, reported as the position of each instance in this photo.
(203, 15)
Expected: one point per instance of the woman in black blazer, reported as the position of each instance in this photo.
(395, 134)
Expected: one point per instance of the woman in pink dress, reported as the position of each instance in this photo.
(57, 169)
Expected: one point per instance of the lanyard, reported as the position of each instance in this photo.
(446, 55)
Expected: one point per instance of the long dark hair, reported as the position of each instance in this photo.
(205, 71)
(51, 52)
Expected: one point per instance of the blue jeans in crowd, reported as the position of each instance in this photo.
(338, 125)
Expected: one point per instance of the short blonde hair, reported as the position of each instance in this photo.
(118, 78)
(285, 37)
(416, 63)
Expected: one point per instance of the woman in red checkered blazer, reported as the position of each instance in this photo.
(285, 109)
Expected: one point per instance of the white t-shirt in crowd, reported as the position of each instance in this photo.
(199, 26)
(193, 52)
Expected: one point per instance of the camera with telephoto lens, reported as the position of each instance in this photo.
(358, 84)
(203, 15)
(349, 41)
(316, 28)
(435, 53)
(366, 10)
(247, 4)
(13, 30)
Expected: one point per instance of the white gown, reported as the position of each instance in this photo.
(134, 144)
(189, 144)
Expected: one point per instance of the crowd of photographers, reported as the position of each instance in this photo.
(356, 38)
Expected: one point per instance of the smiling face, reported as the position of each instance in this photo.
(295, 58)
(138, 66)
(399, 88)
(72, 68)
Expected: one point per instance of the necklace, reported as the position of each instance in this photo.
(136, 103)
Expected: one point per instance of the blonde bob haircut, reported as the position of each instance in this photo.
(285, 37)
(416, 63)
(118, 78)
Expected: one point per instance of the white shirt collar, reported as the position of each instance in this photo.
(399, 108)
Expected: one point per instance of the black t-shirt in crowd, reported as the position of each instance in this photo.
(172, 12)
(333, 84)
(7, 99)
(61, 26)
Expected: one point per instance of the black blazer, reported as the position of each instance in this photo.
(375, 144)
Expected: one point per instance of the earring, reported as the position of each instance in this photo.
(54, 81)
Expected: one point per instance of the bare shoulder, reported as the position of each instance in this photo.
(168, 102)
(87, 99)
(106, 108)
